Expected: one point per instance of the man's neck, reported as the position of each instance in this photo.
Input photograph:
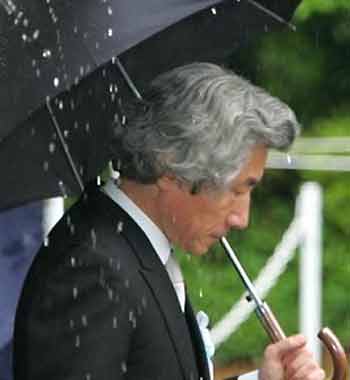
(145, 196)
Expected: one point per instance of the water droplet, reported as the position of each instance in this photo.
(98, 180)
(110, 10)
(124, 367)
(115, 322)
(46, 53)
(77, 341)
(110, 294)
(110, 32)
(75, 292)
(24, 37)
(200, 293)
(71, 323)
(88, 376)
(52, 147)
(93, 238)
(289, 159)
(37, 72)
(56, 82)
(66, 133)
(81, 70)
(62, 189)
(84, 321)
(127, 283)
(25, 22)
(36, 34)
(46, 241)
(75, 29)
(73, 262)
(46, 166)
(60, 105)
(213, 11)
(120, 226)
(87, 127)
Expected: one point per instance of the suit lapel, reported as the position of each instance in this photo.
(156, 276)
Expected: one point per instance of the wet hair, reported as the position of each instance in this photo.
(199, 122)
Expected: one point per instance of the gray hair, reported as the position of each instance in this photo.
(199, 122)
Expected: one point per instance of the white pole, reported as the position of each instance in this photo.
(52, 211)
(309, 209)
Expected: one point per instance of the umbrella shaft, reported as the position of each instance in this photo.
(269, 322)
(262, 310)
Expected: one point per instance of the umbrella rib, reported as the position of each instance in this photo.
(272, 14)
(127, 78)
(65, 146)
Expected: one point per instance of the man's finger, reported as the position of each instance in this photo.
(285, 346)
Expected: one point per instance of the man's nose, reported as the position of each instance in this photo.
(239, 216)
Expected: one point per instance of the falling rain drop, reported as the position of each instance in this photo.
(120, 226)
(46, 166)
(88, 376)
(66, 133)
(71, 323)
(75, 292)
(84, 321)
(52, 147)
(73, 262)
(213, 11)
(24, 37)
(115, 322)
(46, 53)
(77, 341)
(46, 241)
(25, 22)
(200, 293)
(56, 82)
(124, 367)
(37, 72)
(289, 159)
(93, 238)
(62, 189)
(60, 105)
(36, 34)
(110, 32)
(110, 11)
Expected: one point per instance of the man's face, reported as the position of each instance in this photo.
(195, 222)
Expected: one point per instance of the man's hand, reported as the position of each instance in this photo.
(290, 359)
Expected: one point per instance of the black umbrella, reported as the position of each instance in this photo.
(67, 68)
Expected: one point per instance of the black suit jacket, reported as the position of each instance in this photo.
(98, 304)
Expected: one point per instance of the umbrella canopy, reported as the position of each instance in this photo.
(66, 69)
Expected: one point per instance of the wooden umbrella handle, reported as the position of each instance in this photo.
(336, 350)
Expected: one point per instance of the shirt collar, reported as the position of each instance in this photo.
(157, 238)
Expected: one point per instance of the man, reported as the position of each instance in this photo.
(98, 302)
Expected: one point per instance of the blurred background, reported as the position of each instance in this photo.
(309, 69)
